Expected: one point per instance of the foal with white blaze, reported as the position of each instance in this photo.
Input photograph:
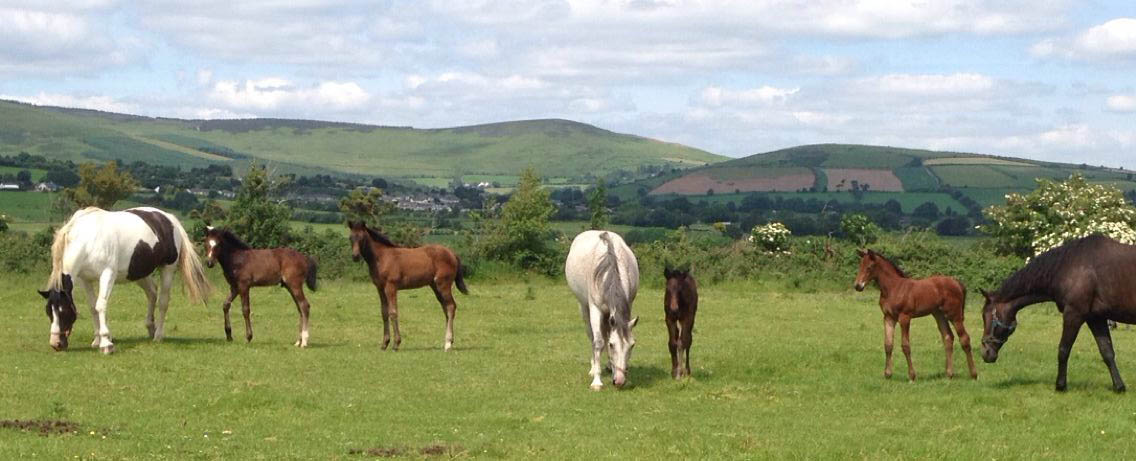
(604, 274)
(104, 247)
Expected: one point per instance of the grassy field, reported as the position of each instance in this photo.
(777, 374)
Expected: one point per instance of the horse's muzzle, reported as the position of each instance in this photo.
(989, 354)
(355, 258)
(858, 286)
(59, 342)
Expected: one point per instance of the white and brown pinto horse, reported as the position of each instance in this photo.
(103, 247)
(604, 274)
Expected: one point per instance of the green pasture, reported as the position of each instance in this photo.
(778, 374)
(37, 174)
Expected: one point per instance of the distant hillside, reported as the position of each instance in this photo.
(843, 168)
(561, 150)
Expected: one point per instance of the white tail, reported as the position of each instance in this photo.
(192, 273)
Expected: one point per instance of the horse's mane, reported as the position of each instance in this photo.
(608, 277)
(59, 245)
(232, 241)
(379, 237)
(890, 263)
(1037, 276)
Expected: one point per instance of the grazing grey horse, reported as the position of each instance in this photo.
(603, 273)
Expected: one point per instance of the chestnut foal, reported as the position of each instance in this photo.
(246, 267)
(394, 268)
(680, 303)
(902, 298)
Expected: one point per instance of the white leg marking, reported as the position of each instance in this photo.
(106, 284)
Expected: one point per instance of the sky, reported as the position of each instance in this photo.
(1044, 79)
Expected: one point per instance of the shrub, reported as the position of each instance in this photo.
(772, 237)
(1056, 212)
(859, 229)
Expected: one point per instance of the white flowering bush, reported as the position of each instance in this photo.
(1057, 212)
(859, 229)
(772, 237)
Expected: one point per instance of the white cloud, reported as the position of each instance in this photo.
(714, 96)
(96, 102)
(1121, 103)
(273, 94)
(1107, 42)
(48, 41)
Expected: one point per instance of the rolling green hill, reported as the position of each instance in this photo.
(561, 150)
(885, 171)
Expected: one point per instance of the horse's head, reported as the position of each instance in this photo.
(867, 271)
(358, 238)
(999, 322)
(676, 280)
(212, 241)
(619, 345)
(61, 311)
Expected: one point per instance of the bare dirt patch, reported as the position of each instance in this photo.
(699, 183)
(41, 426)
(840, 179)
(394, 452)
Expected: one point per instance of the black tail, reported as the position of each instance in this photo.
(312, 269)
(459, 280)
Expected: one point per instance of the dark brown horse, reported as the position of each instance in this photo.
(680, 303)
(395, 268)
(1092, 280)
(903, 298)
(247, 267)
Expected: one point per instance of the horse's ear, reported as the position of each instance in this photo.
(633, 322)
(984, 294)
(666, 272)
(45, 294)
(67, 285)
(861, 252)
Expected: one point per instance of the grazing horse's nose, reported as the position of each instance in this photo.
(355, 258)
(859, 286)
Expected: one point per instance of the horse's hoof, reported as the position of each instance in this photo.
(596, 387)
(248, 339)
(297, 344)
(107, 350)
(1120, 389)
(448, 347)
(1060, 388)
(887, 375)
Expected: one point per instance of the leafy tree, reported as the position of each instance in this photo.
(64, 177)
(3, 223)
(101, 187)
(366, 205)
(927, 210)
(597, 206)
(255, 216)
(1056, 212)
(24, 176)
(859, 229)
(522, 234)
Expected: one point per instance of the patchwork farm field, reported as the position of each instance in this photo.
(778, 374)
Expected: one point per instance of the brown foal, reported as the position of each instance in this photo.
(394, 268)
(247, 267)
(680, 303)
(902, 298)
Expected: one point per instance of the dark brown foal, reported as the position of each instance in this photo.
(247, 267)
(902, 299)
(395, 268)
(680, 303)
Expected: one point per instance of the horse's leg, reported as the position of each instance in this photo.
(1069, 330)
(687, 339)
(596, 321)
(964, 341)
(225, 307)
(905, 326)
(296, 289)
(92, 296)
(386, 318)
(168, 273)
(106, 284)
(1100, 328)
(147, 285)
(246, 310)
(889, 335)
(392, 307)
(948, 342)
(674, 343)
(445, 297)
